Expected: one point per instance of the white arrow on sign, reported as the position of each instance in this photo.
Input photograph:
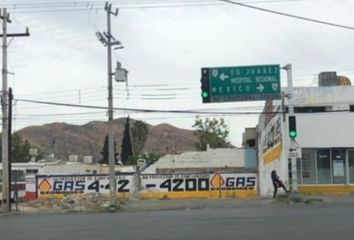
(223, 77)
(260, 88)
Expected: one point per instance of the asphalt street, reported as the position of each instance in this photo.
(271, 221)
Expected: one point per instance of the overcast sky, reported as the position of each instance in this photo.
(164, 49)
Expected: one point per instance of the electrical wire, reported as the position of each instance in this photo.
(160, 111)
(68, 6)
(288, 15)
(131, 109)
(132, 2)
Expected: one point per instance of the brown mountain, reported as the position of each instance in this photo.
(64, 139)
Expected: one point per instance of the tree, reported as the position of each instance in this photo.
(139, 135)
(104, 152)
(19, 148)
(127, 150)
(213, 132)
(150, 157)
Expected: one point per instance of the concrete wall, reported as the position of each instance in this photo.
(323, 96)
(160, 186)
(335, 129)
(271, 157)
(221, 158)
(250, 158)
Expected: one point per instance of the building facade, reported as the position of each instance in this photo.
(325, 142)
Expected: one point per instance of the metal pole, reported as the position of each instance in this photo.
(9, 145)
(112, 177)
(5, 153)
(292, 145)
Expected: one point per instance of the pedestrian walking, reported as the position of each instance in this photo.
(277, 183)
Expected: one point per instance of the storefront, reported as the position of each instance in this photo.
(330, 169)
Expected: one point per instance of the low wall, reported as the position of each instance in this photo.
(59, 186)
(174, 186)
(148, 186)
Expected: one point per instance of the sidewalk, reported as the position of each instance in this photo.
(175, 204)
(329, 199)
(186, 204)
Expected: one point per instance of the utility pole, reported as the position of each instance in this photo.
(111, 161)
(9, 145)
(108, 41)
(6, 195)
(292, 144)
(4, 103)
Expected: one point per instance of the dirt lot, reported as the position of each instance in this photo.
(100, 203)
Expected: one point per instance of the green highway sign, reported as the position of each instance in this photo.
(242, 83)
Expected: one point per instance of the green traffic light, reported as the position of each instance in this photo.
(292, 134)
(205, 94)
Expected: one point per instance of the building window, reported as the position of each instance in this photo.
(327, 166)
(351, 165)
(31, 171)
(338, 165)
(308, 166)
(323, 166)
(298, 168)
(309, 109)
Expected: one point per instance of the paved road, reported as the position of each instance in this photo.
(271, 221)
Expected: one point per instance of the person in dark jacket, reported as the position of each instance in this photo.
(277, 183)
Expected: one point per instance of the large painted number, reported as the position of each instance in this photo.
(166, 184)
(124, 183)
(177, 187)
(94, 186)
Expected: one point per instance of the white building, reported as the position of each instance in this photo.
(221, 159)
(325, 136)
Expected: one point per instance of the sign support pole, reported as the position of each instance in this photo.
(292, 144)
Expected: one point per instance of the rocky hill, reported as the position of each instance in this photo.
(64, 139)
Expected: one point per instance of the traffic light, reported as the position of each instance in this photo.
(292, 127)
(205, 85)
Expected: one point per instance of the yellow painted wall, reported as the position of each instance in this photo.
(326, 189)
(206, 194)
(272, 154)
(61, 196)
(176, 195)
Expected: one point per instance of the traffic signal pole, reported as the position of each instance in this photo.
(292, 143)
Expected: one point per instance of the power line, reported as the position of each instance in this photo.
(289, 15)
(132, 2)
(132, 109)
(163, 111)
(58, 114)
(85, 6)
